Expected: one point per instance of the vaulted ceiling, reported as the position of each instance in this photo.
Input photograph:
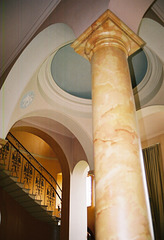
(21, 20)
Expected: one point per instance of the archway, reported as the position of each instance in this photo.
(78, 206)
(65, 173)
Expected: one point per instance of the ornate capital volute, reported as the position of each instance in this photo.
(107, 30)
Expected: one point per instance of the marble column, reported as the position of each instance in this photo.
(121, 206)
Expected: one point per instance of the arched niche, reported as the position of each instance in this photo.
(78, 205)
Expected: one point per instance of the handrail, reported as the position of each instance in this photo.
(10, 134)
(34, 167)
(34, 177)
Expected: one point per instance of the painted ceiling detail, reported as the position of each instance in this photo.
(54, 94)
(72, 73)
(27, 99)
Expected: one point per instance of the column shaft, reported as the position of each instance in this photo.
(121, 211)
(121, 206)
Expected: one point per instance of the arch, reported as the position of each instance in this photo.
(31, 58)
(78, 206)
(64, 233)
(69, 125)
(41, 47)
(153, 34)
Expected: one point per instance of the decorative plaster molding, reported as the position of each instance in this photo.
(54, 94)
(157, 7)
(27, 99)
(152, 81)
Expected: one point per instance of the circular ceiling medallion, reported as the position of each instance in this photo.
(27, 99)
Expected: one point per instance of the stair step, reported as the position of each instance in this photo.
(26, 190)
(13, 187)
(28, 204)
(44, 207)
(49, 219)
(25, 198)
(42, 214)
(56, 218)
(7, 181)
(37, 208)
(22, 195)
(7, 172)
(4, 173)
(19, 192)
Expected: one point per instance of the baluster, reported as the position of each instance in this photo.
(33, 185)
(45, 192)
(41, 187)
(9, 157)
(21, 180)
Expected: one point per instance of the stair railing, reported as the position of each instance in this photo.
(40, 183)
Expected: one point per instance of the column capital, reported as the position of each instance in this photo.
(91, 173)
(107, 30)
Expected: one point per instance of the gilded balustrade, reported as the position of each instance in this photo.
(21, 164)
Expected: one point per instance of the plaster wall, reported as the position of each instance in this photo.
(78, 207)
(34, 144)
(72, 12)
(24, 68)
(153, 34)
(75, 125)
(40, 150)
(130, 12)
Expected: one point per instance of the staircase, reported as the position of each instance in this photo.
(29, 183)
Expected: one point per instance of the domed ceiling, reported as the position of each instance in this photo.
(72, 73)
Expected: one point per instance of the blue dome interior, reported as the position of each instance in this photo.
(72, 73)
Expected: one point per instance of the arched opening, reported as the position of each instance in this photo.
(23, 132)
(78, 202)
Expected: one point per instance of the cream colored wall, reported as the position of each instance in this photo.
(21, 73)
(40, 150)
(34, 144)
(78, 205)
(126, 11)
(52, 166)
